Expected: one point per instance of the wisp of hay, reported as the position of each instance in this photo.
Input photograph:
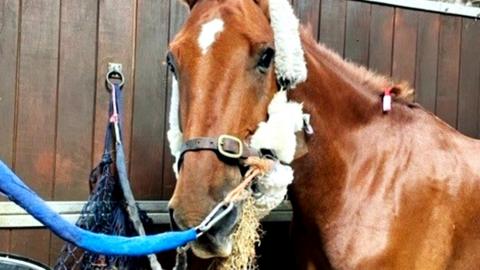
(245, 238)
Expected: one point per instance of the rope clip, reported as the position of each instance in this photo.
(217, 214)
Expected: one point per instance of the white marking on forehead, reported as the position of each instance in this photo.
(209, 33)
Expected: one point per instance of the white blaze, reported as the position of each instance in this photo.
(209, 33)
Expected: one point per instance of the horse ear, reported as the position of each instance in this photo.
(190, 3)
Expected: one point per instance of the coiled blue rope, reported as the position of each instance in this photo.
(18, 192)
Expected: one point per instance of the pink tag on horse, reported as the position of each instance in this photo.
(387, 100)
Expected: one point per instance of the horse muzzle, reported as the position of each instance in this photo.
(215, 241)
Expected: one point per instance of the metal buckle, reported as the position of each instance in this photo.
(224, 152)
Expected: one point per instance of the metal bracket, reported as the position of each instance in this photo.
(115, 67)
(114, 73)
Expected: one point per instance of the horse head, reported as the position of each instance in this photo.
(222, 63)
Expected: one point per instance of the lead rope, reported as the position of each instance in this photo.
(122, 173)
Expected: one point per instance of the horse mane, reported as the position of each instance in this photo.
(370, 80)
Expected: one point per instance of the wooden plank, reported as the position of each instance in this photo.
(150, 99)
(427, 60)
(357, 32)
(381, 35)
(31, 243)
(76, 97)
(332, 25)
(116, 40)
(405, 45)
(56, 245)
(448, 69)
(37, 95)
(309, 14)
(469, 81)
(178, 15)
(5, 240)
(35, 144)
(9, 19)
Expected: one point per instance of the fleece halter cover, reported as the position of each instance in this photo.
(284, 118)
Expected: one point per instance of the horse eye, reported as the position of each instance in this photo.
(265, 60)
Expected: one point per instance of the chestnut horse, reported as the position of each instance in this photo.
(396, 190)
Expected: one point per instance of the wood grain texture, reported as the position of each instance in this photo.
(381, 34)
(76, 97)
(469, 80)
(9, 20)
(116, 40)
(178, 15)
(35, 145)
(427, 60)
(405, 45)
(56, 245)
(5, 240)
(357, 32)
(149, 124)
(37, 94)
(31, 243)
(332, 25)
(309, 14)
(448, 69)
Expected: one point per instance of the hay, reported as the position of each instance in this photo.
(245, 238)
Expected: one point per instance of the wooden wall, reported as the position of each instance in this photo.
(53, 57)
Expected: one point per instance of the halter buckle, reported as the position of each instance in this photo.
(228, 153)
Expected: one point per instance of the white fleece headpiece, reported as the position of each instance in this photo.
(289, 56)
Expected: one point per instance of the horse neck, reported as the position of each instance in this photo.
(337, 102)
(338, 107)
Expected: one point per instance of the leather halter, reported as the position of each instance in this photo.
(225, 146)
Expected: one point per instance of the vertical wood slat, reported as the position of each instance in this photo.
(35, 144)
(427, 60)
(381, 35)
(76, 96)
(178, 15)
(149, 125)
(448, 69)
(309, 14)
(5, 240)
(332, 25)
(404, 45)
(9, 20)
(31, 243)
(357, 32)
(115, 44)
(469, 80)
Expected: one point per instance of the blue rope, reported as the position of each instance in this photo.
(26, 198)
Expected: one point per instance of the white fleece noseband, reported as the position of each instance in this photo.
(284, 118)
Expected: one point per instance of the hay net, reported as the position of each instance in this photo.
(105, 212)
